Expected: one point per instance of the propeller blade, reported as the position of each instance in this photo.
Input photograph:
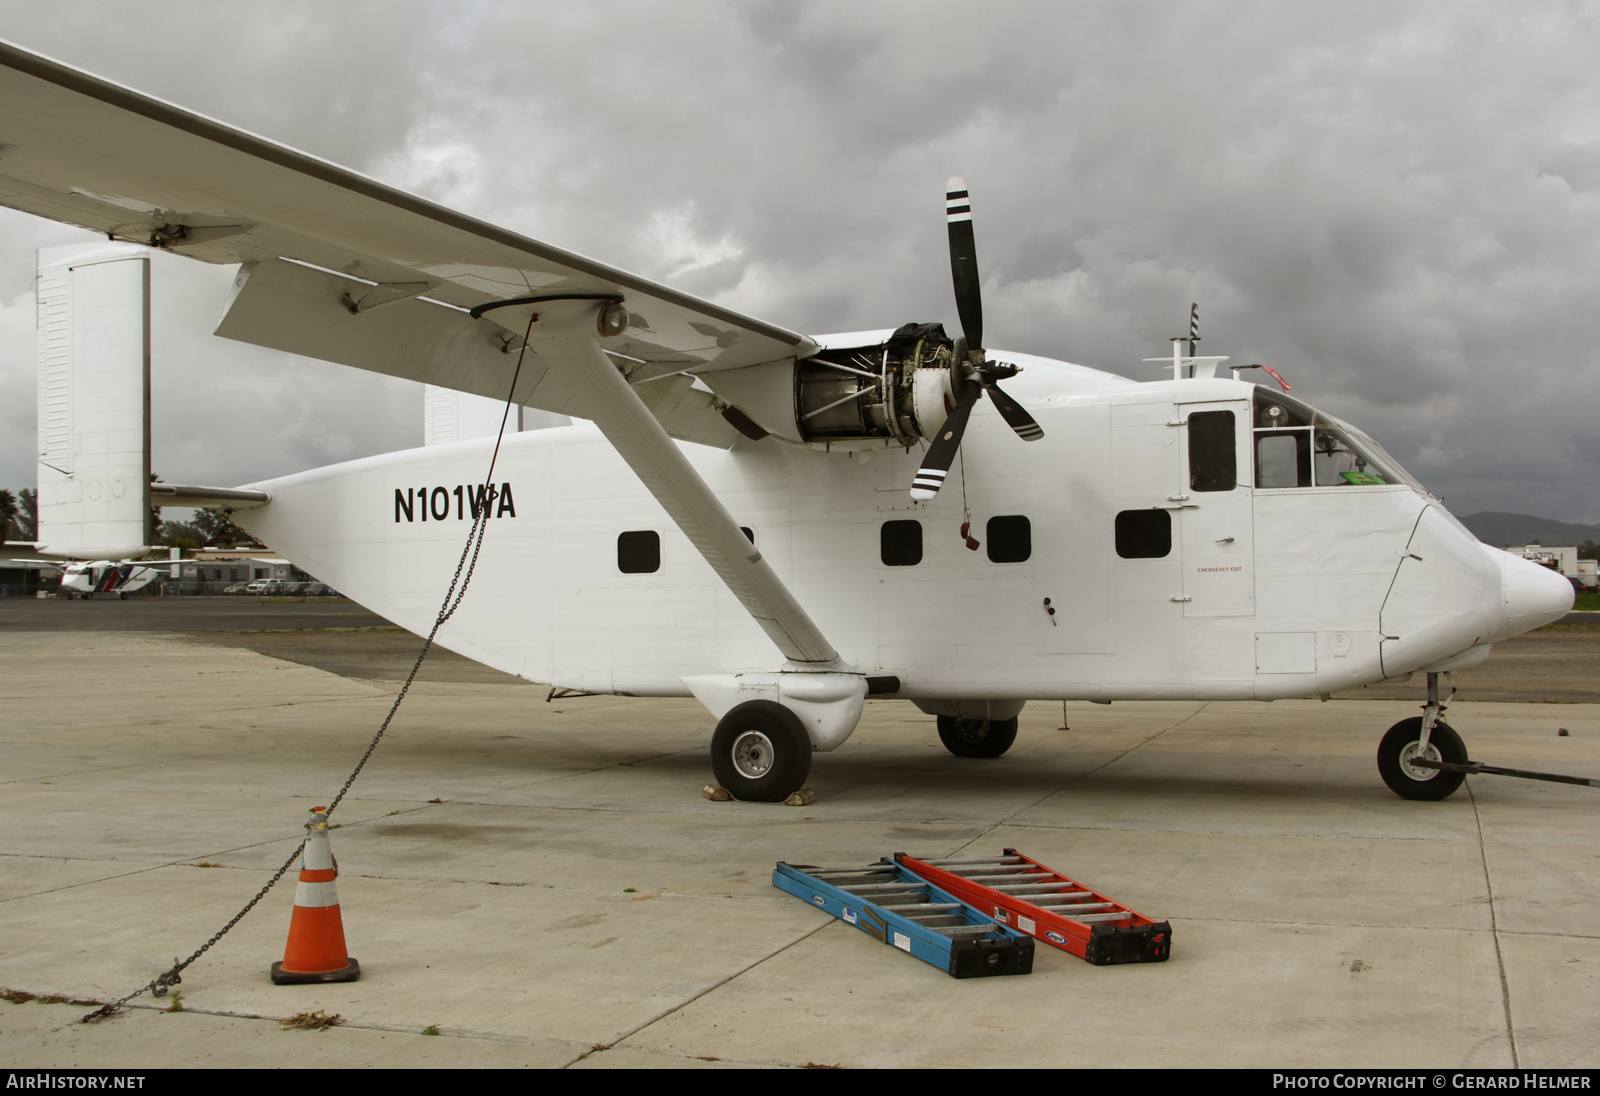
(964, 261)
(1014, 414)
(942, 453)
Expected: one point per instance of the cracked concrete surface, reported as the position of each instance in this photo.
(544, 884)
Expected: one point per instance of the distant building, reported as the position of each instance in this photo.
(209, 571)
(1560, 558)
(25, 579)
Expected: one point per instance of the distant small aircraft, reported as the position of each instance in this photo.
(101, 576)
(1193, 538)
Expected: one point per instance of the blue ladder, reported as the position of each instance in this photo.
(888, 902)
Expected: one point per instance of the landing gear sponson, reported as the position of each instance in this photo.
(770, 724)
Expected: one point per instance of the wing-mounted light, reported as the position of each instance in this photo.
(564, 313)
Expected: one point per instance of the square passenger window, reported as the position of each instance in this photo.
(1144, 534)
(900, 543)
(639, 552)
(1010, 539)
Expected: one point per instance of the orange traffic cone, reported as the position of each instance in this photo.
(315, 951)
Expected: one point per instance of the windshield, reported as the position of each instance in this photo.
(1299, 446)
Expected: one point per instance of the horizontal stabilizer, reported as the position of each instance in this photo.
(221, 498)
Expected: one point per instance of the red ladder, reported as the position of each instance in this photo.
(1043, 903)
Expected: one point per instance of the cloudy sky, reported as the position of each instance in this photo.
(1397, 205)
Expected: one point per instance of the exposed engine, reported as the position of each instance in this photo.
(899, 389)
(916, 385)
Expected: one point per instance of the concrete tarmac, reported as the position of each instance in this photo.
(142, 613)
(544, 885)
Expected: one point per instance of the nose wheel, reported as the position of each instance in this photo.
(1423, 738)
(1402, 745)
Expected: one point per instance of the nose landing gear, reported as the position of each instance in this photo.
(1403, 745)
(1423, 738)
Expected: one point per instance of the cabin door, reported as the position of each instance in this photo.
(1217, 524)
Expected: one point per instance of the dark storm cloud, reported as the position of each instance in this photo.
(1394, 204)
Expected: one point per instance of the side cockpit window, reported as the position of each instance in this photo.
(1283, 458)
(1298, 446)
(1338, 461)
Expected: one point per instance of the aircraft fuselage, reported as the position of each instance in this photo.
(1102, 573)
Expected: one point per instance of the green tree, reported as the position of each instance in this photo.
(219, 532)
(180, 534)
(8, 510)
(25, 526)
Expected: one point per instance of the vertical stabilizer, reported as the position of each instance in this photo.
(448, 415)
(94, 401)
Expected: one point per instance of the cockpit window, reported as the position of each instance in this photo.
(1339, 462)
(1298, 446)
(1283, 458)
(1275, 413)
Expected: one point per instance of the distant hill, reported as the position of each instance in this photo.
(1501, 530)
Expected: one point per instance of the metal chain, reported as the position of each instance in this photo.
(452, 601)
(165, 981)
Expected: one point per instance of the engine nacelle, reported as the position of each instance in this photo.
(896, 391)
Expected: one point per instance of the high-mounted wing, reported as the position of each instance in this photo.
(338, 266)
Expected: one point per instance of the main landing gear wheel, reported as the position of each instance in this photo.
(1399, 748)
(977, 737)
(760, 752)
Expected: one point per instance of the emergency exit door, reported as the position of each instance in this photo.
(1218, 523)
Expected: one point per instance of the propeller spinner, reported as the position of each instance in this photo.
(971, 374)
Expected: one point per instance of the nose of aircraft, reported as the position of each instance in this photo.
(1533, 595)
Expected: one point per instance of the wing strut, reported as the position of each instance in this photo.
(607, 398)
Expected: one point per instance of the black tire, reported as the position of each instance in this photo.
(123, 596)
(977, 737)
(1435, 785)
(761, 752)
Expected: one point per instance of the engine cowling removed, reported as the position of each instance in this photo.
(900, 389)
(897, 391)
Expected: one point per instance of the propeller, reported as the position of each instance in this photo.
(971, 373)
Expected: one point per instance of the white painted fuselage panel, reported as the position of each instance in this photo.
(549, 601)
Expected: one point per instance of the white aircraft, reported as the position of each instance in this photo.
(103, 576)
(85, 578)
(847, 519)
